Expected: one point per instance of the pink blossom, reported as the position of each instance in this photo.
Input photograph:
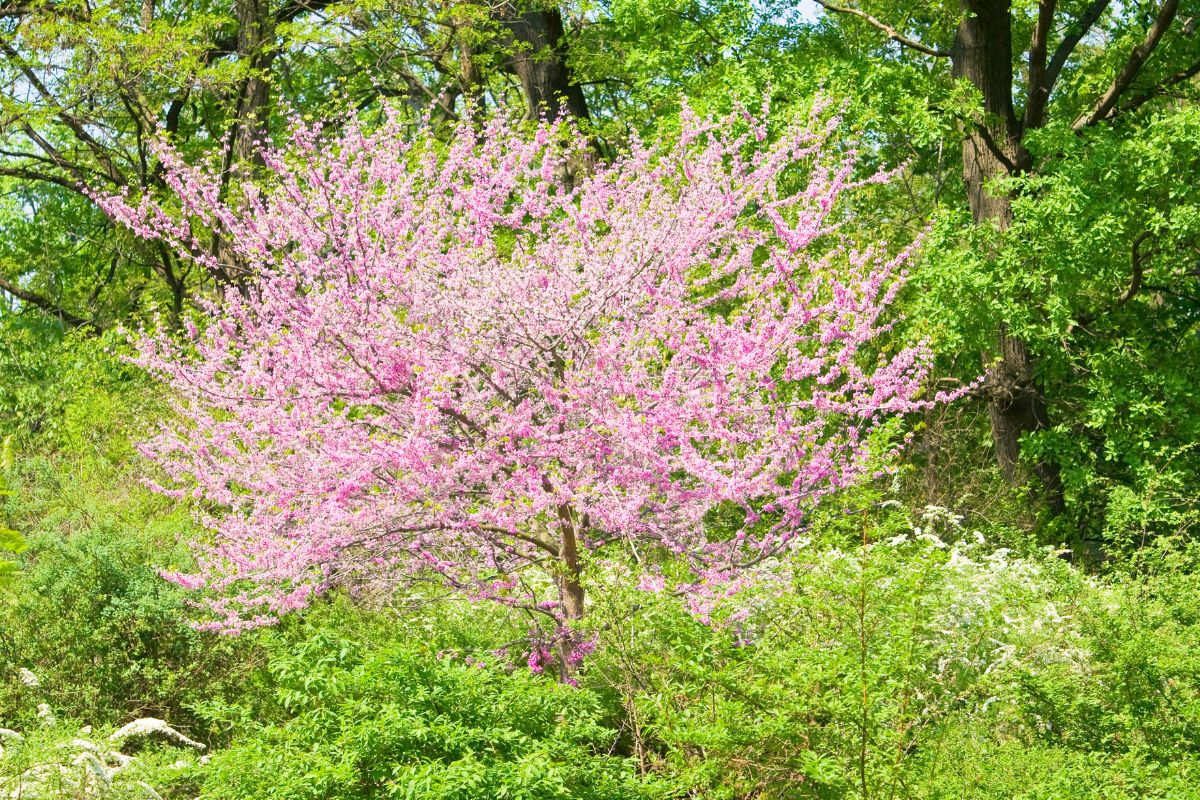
(448, 364)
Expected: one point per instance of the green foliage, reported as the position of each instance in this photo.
(108, 638)
(88, 614)
(11, 542)
(1097, 275)
(398, 721)
(885, 664)
(923, 664)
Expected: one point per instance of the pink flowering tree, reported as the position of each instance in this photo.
(450, 365)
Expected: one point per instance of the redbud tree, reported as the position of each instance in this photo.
(452, 364)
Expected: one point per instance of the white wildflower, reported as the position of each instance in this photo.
(95, 766)
(150, 726)
(27, 677)
(150, 791)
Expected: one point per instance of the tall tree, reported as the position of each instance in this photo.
(1018, 86)
(85, 90)
(538, 56)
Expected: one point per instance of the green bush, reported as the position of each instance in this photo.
(108, 638)
(398, 721)
(88, 613)
(921, 664)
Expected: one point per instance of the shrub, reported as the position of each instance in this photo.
(396, 722)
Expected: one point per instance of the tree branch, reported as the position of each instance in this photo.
(42, 302)
(891, 32)
(1137, 58)
(1090, 17)
(1158, 90)
(227, 46)
(995, 148)
(1137, 261)
(76, 127)
(28, 174)
(1039, 89)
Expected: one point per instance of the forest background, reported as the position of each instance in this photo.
(1011, 612)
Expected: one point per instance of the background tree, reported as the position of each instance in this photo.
(1028, 70)
(86, 88)
(993, 107)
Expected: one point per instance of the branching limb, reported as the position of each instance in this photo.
(1080, 29)
(891, 32)
(76, 127)
(1039, 89)
(1137, 260)
(1158, 90)
(985, 134)
(1133, 65)
(42, 302)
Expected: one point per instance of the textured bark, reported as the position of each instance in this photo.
(539, 60)
(255, 54)
(255, 51)
(982, 54)
(570, 587)
(991, 149)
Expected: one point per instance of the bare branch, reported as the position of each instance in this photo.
(1137, 58)
(1084, 24)
(891, 32)
(1039, 89)
(995, 148)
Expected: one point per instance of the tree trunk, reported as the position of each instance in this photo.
(539, 60)
(570, 588)
(252, 111)
(255, 51)
(992, 148)
(569, 585)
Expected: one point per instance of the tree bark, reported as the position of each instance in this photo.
(570, 587)
(255, 40)
(539, 60)
(569, 583)
(992, 148)
(255, 54)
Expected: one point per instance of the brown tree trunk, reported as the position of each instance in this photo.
(569, 585)
(992, 148)
(255, 40)
(539, 60)
(252, 110)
